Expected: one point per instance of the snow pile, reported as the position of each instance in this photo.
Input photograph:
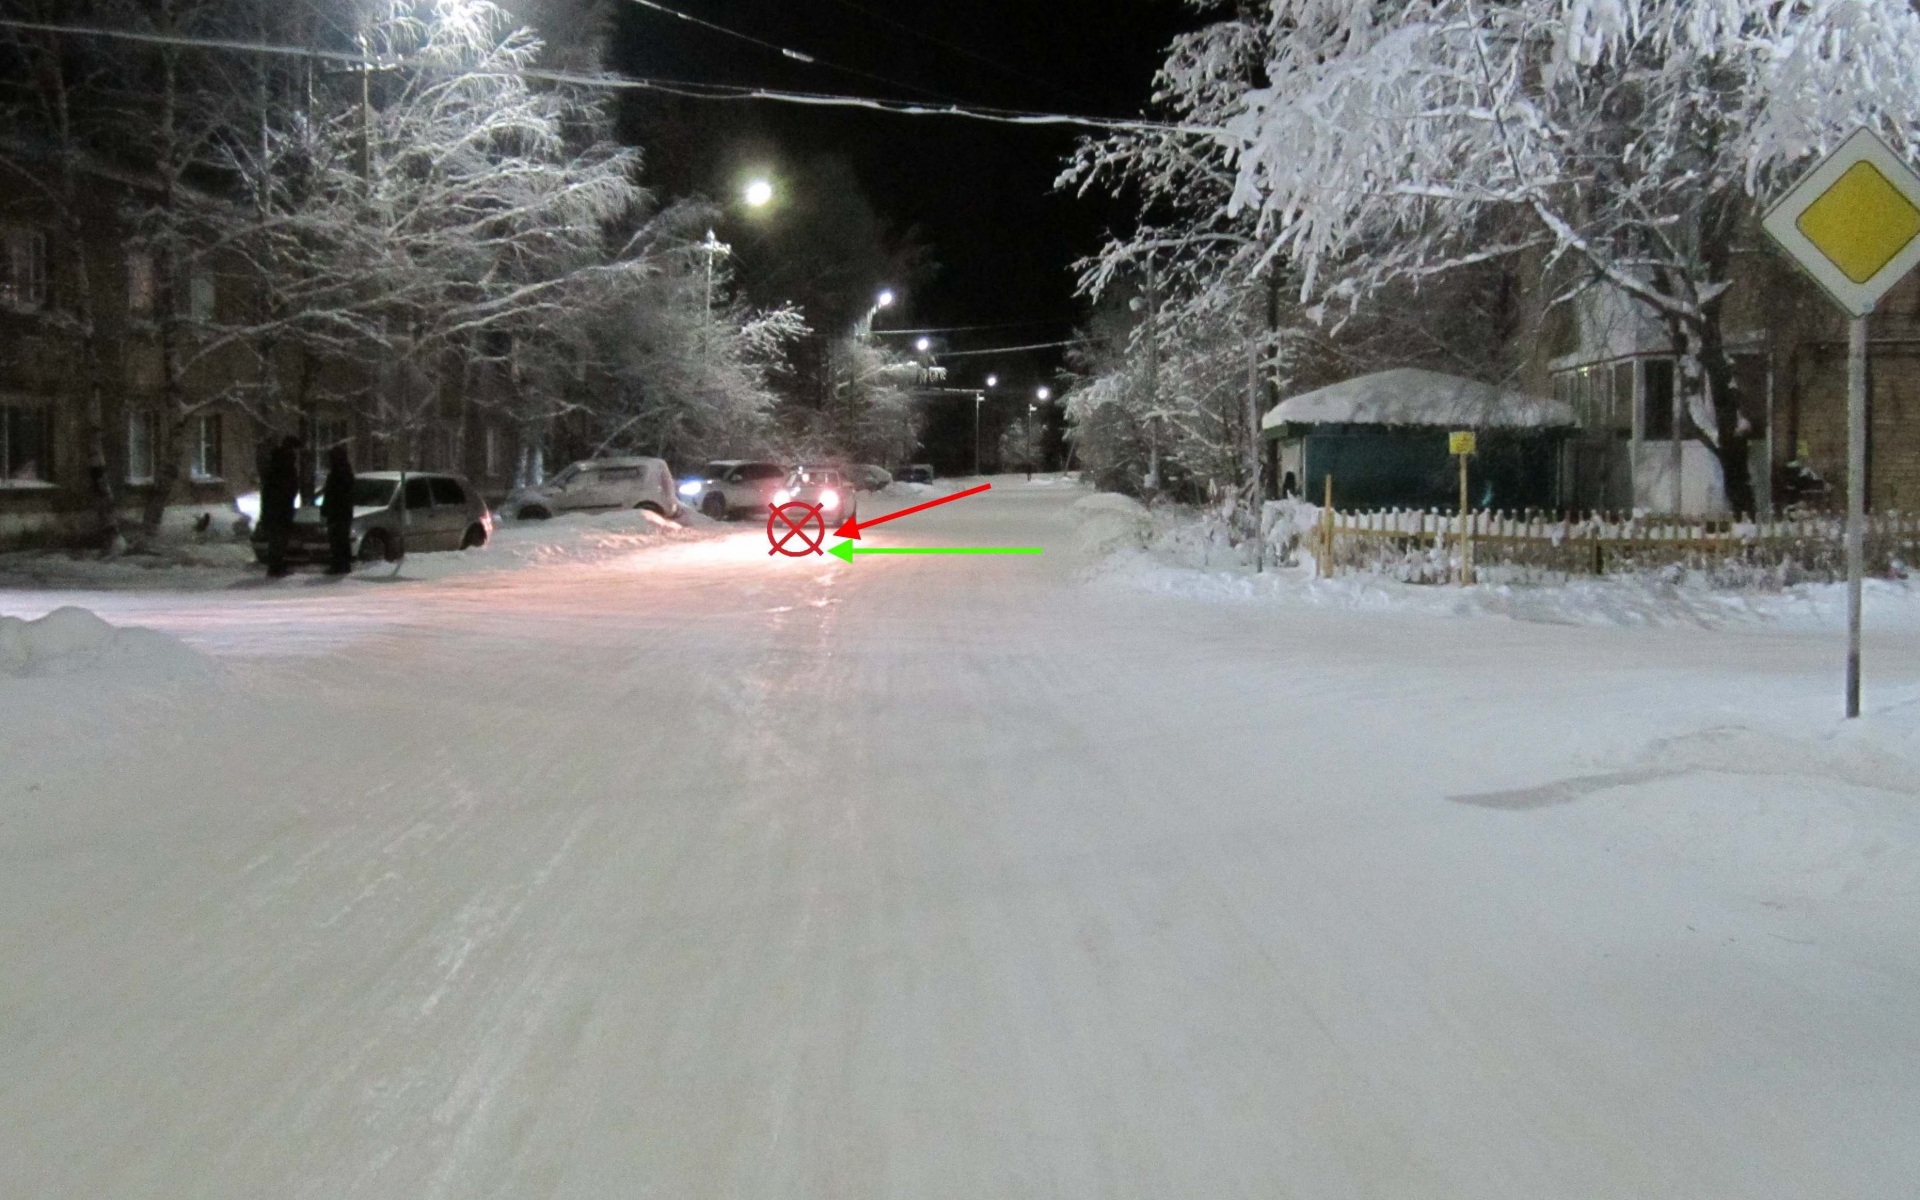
(571, 538)
(68, 641)
(1176, 553)
(1409, 396)
(1106, 523)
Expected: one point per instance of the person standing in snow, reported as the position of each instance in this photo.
(279, 488)
(336, 505)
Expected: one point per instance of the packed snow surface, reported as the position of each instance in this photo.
(671, 868)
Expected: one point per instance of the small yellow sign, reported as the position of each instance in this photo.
(1460, 443)
(1860, 222)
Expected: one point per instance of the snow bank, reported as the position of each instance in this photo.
(567, 539)
(1179, 554)
(69, 641)
(1106, 523)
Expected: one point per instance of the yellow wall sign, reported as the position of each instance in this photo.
(1460, 443)
(1853, 222)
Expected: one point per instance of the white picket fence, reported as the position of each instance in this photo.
(1427, 546)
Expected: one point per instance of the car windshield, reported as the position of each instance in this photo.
(565, 477)
(371, 493)
(715, 470)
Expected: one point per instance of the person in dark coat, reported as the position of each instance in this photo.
(279, 489)
(336, 505)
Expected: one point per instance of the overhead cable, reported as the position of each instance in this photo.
(783, 51)
(673, 87)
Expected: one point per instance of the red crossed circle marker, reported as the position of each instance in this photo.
(796, 527)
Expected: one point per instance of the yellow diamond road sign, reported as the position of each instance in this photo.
(1853, 222)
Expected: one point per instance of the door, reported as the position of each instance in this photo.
(417, 518)
(618, 487)
(449, 512)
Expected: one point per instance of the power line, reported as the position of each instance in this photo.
(785, 51)
(1008, 349)
(1011, 72)
(673, 87)
(970, 328)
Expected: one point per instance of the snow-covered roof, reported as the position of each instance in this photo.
(1410, 396)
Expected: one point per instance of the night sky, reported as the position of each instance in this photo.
(979, 197)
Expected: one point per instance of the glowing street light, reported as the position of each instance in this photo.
(759, 193)
(1044, 394)
(923, 345)
(884, 299)
(993, 381)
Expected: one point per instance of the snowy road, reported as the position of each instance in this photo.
(701, 874)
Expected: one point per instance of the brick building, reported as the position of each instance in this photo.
(49, 285)
(1614, 365)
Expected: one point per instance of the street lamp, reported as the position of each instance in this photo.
(979, 398)
(923, 345)
(759, 193)
(884, 300)
(993, 381)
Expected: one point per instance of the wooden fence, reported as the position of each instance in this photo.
(1426, 546)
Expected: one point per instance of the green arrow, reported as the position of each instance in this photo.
(846, 550)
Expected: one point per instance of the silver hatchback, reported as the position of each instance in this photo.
(433, 512)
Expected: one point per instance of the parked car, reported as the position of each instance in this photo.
(869, 478)
(827, 487)
(731, 488)
(440, 512)
(600, 483)
(917, 473)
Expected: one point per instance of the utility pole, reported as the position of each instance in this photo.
(978, 399)
(1153, 382)
(713, 246)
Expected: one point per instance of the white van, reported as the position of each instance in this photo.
(600, 483)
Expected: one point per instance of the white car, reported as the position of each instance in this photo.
(732, 487)
(600, 483)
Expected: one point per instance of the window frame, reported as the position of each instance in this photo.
(33, 296)
(148, 422)
(9, 431)
(197, 462)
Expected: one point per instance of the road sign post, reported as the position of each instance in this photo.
(1853, 223)
(1462, 446)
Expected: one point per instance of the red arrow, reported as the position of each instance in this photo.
(852, 527)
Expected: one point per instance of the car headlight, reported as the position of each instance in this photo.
(829, 499)
(690, 488)
(781, 497)
(248, 506)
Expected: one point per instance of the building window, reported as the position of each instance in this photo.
(205, 432)
(23, 268)
(1659, 422)
(1621, 416)
(26, 444)
(142, 286)
(492, 444)
(143, 429)
(202, 296)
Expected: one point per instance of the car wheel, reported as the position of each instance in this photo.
(475, 538)
(375, 548)
(533, 512)
(715, 506)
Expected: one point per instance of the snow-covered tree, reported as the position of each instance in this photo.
(1629, 141)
